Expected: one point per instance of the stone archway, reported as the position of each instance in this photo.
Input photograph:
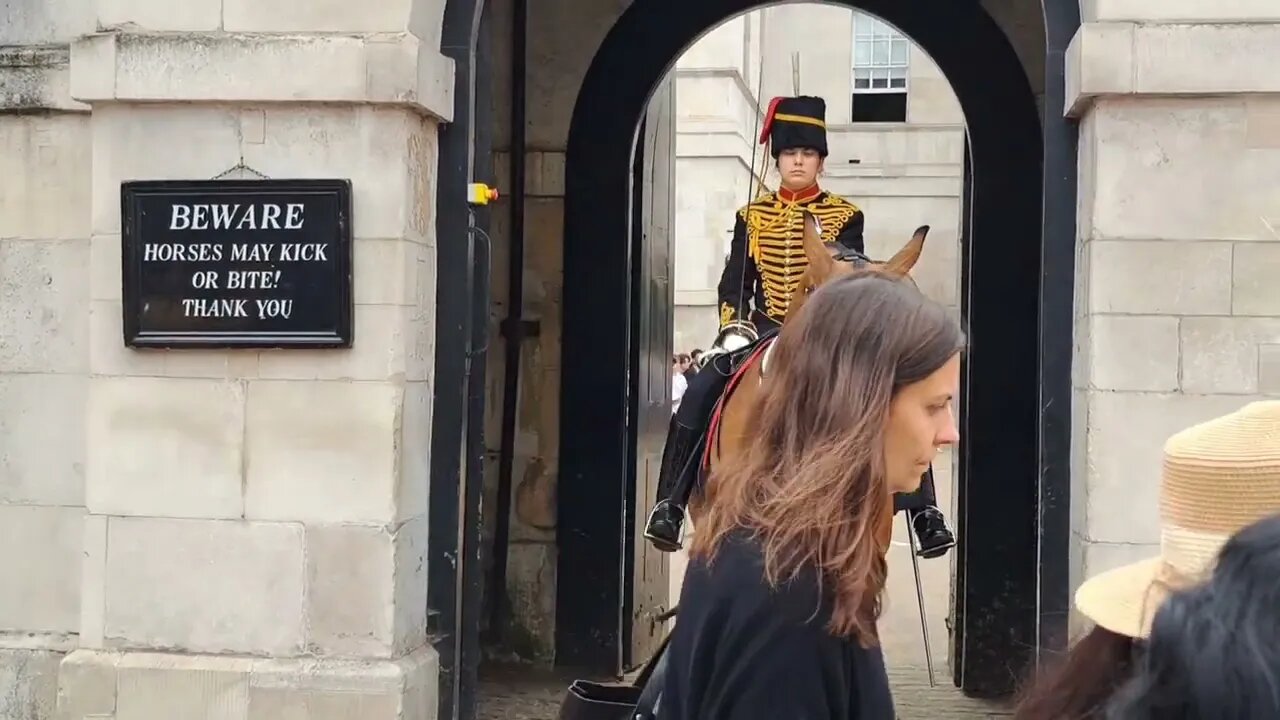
(1013, 515)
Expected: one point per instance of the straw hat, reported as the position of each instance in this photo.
(1219, 477)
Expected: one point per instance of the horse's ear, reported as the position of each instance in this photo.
(798, 296)
(905, 259)
(820, 260)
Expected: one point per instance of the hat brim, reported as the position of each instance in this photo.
(1124, 600)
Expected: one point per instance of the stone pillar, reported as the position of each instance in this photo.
(256, 520)
(1178, 312)
(46, 157)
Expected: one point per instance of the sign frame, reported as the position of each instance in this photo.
(340, 336)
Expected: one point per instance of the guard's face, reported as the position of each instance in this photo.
(799, 167)
(921, 422)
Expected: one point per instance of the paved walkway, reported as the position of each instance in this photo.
(525, 694)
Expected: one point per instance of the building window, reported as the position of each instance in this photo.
(880, 56)
(881, 64)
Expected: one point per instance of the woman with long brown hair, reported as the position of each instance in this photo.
(780, 602)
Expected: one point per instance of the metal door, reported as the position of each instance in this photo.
(652, 324)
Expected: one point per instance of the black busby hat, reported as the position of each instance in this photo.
(796, 122)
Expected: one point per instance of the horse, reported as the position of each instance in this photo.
(737, 405)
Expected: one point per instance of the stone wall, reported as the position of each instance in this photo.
(1178, 310)
(240, 530)
(562, 38)
(46, 151)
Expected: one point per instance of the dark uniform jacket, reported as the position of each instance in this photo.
(766, 256)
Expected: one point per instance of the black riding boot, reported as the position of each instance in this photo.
(675, 481)
(933, 537)
(932, 533)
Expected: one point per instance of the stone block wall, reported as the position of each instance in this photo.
(46, 152)
(563, 36)
(231, 534)
(264, 503)
(1178, 312)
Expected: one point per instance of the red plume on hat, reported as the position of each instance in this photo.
(768, 119)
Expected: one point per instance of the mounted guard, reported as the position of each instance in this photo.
(765, 264)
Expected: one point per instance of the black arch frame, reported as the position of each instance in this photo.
(1018, 298)
(454, 566)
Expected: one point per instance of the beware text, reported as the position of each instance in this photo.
(221, 218)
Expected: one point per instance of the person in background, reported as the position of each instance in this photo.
(692, 368)
(1079, 686)
(1214, 650)
(1218, 477)
(780, 602)
(679, 383)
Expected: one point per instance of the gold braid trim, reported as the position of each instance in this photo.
(833, 211)
(757, 224)
(726, 314)
(775, 241)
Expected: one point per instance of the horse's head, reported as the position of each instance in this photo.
(828, 262)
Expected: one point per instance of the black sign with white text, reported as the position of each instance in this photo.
(237, 263)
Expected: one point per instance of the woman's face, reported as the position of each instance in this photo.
(921, 422)
(799, 167)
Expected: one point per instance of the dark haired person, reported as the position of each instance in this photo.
(780, 602)
(691, 368)
(1213, 651)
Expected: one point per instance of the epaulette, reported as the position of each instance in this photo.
(766, 199)
(835, 200)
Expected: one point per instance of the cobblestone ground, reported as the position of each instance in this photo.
(523, 694)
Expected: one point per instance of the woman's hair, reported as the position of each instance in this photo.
(1214, 650)
(1079, 686)
(810, 482)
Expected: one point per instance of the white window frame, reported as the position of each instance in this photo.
(868, 32)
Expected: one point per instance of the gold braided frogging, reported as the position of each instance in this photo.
(779, 259)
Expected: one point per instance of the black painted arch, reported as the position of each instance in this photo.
(998, 606)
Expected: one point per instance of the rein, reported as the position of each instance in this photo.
(764, 362)
(713, 429)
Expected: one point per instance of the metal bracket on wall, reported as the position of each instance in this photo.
(513, 329)
(481, 194)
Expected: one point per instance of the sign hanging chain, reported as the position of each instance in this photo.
(242, 167)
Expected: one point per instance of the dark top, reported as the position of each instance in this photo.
(741, 650)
